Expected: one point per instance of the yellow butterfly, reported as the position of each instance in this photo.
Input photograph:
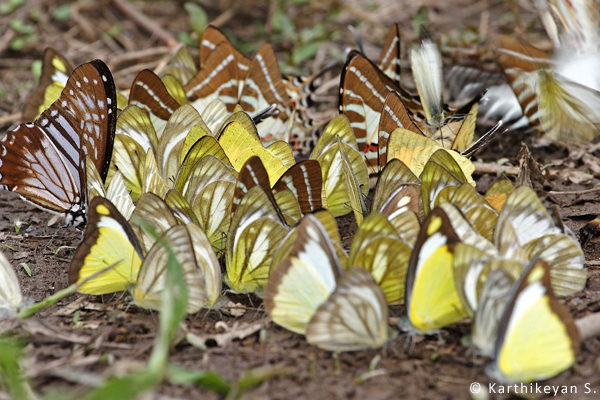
(328, 153)
(537, 338)
(397, 196)
(306, 293)
(415, 149)
(181, 66)
(538, 235)
(378, 248)
(256, 229)
(431, 298)
(110, 241)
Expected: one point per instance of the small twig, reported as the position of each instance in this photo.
(7, 119)
(135, 69)
(114, 62)
(84, 24)
(566, 192)
(146, 23)
(5, 40)
(487, 168)
(591, 263)
(223, 18)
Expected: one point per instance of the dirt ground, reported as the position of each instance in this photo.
(82, 339)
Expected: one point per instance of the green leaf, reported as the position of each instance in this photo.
(304, 52)
(26, 268)
(208, 379)
(282, 23)
(10, 6)
(10, 375)
(114, 30)
(36, 69)
(62, 13)
(7, 246)
(21, 27)
(174, 299)
(374, 362)
(130, 387)
(35, 14)
(197, 17)
(186, 38)
(421, 18)
(313, 33)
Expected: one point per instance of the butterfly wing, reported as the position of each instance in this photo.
(353, 318)
(537, 338)
(108, 240)
(304, 279)
(10, 290)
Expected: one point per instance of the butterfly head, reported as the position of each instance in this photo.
(76, 216)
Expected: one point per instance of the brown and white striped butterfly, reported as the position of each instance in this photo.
(303, 182)
(150, 94)
(44, 161)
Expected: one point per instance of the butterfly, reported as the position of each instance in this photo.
(497, 194)
(329, 223)
(206, 180)
(397, 197)
(431, 295)
(44, 161)
(150, 94)
(539, 235)
(182, 66)
(256, 230)
(426, 64)
(297, 192)
(364, 90)
(379, 249)
(491, 305)
(116, 191)
(308, 293)
(415, 150)
(353, 318)
(260, 84)
(537, 338)
(567, 111)
(11, 299)
(328, 153)
(240, 144)
(109, 240)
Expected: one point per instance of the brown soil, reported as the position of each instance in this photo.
(73, 343)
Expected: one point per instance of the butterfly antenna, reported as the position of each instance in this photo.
(55, 233)
(259, 309)
(484, 140)
(357, 38)
(440, 338)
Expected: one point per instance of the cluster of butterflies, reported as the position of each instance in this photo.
(555, 93)
(203, 157)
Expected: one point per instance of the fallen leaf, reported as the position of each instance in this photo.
(233, 309)
(20, 255)
(239, 330)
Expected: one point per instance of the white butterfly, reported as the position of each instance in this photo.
(426, 64)
(11, 299)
